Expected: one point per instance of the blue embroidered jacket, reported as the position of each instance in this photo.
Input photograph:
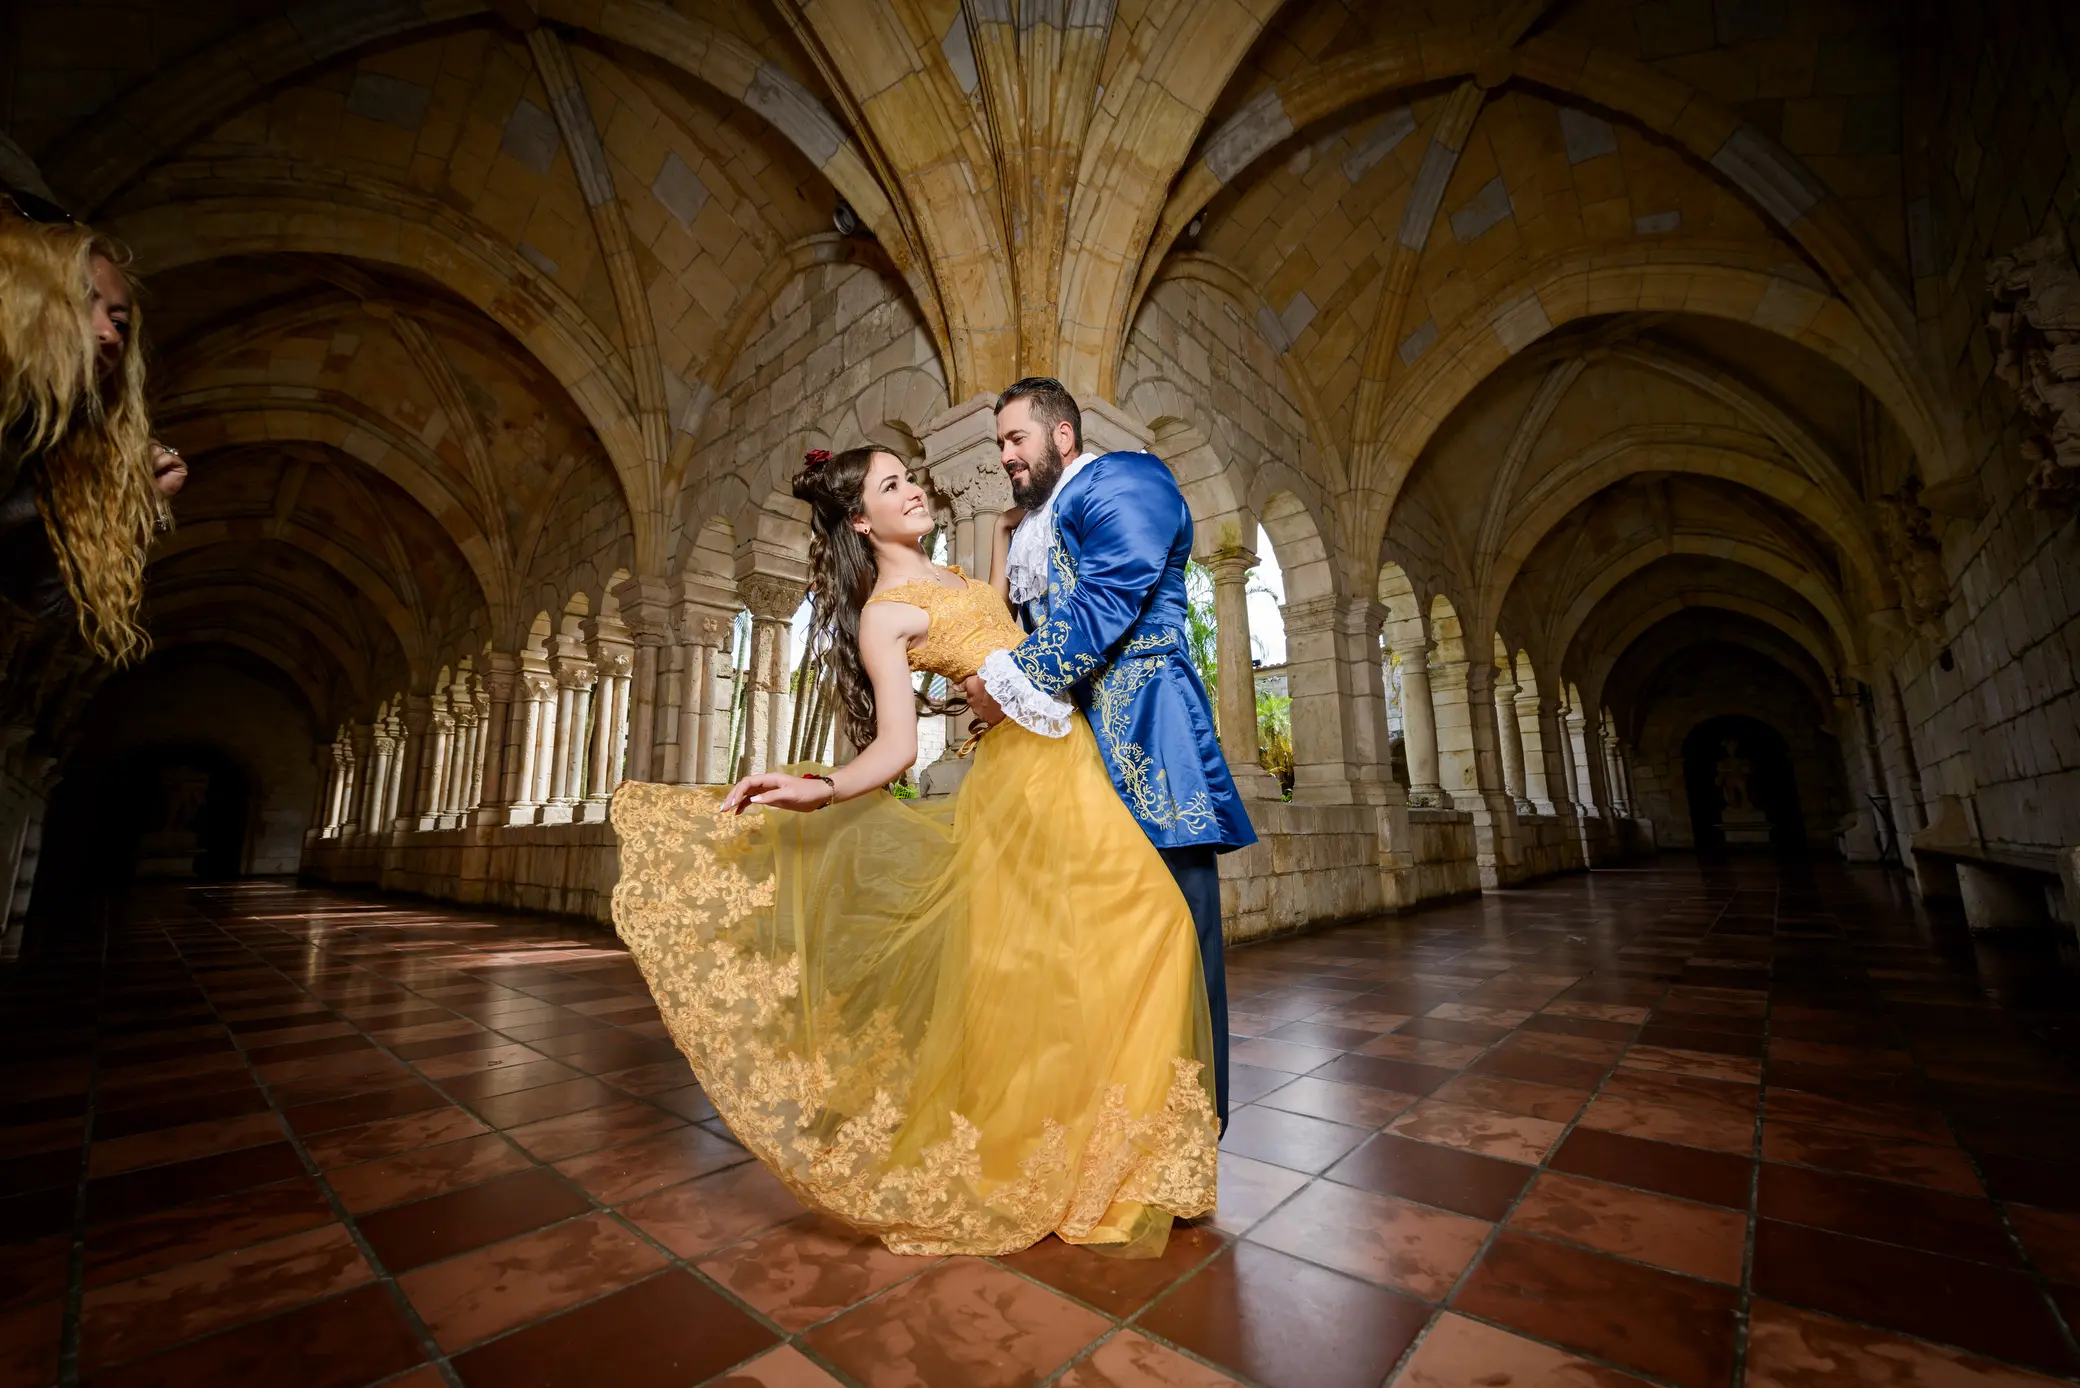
(1112, 632)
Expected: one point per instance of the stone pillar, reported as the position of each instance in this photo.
(1469, 762)
(1539, 781)
(1581, 778)
(412, 746)
(702, 633)
(1314, 671)
(325, 822)
(360, 738)
(961, 457)
(575, 679)
(644, 610)
(773, 600)
(534, 700)
(1621, 803)
(1419, 726)
(433, 764)
(382, 752)
(609, 732)
(501, 682)
(555, 708)
(460, 750)
(321, 806)
(1514, 777)
(1368, 756)
(479, 752)
(1237, 712)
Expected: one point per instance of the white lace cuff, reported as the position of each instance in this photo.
(1021, 700)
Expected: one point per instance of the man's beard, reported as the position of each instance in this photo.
(1041, 477)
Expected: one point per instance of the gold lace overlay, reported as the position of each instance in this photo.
(959, 1024)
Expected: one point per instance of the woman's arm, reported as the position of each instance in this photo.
(1000, 553)
(886, 630)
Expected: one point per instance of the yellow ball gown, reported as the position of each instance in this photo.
(958, 1024)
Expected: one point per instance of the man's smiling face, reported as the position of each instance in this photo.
(1030, 452)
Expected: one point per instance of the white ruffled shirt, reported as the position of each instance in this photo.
(1026, 572)
(1026, 567)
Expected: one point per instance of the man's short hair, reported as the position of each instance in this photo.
(1050, 402)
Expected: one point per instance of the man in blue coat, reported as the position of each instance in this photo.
(1096, 568)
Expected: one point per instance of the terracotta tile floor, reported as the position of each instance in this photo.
(1675, 1125)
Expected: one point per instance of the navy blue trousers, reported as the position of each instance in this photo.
(1198, 876)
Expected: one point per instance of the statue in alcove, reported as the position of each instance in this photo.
(1740, 820)
(1733, 777)
(169, 847)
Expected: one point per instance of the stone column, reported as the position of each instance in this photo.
(609, 731)
(360, 737)
(555, 708)
(460, 749)
(644, 611)
(1469, 763)
(1237, 712)
(961, 457)
(1314, 672)
(433, 764)
(1419, 726)
(1368, 757)
(501, 682)
(328, 786)
(332, 806)
(534, 698)
(1621, 803)
(382, 751)
(1538, 752)
(479, 752)
(1578, 741)
(404, 814)
(1570, 779)
(702, 633)
(773, 600)
(575, 678)
(1514, 779)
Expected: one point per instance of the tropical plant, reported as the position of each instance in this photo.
(1201, 635)
(1275, 738)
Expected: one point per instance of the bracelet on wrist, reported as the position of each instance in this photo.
(813, 776)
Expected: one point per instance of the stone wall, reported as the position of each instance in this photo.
(562, 869)
(1547, 844)
(1311, 864)
(1443, 858)
(1987, 686)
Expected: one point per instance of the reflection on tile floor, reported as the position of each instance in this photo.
(1674, 1125)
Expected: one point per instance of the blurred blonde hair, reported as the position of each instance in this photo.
(88, 439)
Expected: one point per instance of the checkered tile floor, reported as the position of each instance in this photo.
(1672, 1125)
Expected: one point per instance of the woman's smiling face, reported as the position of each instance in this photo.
(892, 507)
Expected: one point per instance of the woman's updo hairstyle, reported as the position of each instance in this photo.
(842, 574)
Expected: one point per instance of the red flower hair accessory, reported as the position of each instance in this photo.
(815, 458)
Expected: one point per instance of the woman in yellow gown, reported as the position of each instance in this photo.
(961, 1025)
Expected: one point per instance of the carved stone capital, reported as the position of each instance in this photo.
(1226, 566)
(771, 597)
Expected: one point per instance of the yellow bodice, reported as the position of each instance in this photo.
(967, 623)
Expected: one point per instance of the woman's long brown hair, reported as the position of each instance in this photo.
(89, 439)
(842, 573)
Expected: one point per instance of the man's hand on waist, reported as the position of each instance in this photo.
(980, 701)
